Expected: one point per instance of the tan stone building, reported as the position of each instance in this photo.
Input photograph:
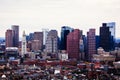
(103, 56)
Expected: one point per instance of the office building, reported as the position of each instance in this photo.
(91, 44)
(81, 46)
(35, 45)
(82, 53)
(38, 36)
(11, 53)
(45, 33)
(84, 38)
(103, 56)
(9, 38)
(97, 42)
(52, 42)
(105, 37)
(65, 30)
(112, 28)
(15, 29)
(73, 44)
(31, 36)
(24, 45)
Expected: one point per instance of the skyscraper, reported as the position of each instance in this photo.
(111, 26)
(52, 42)
(31, 36)
(73, 44)
(85, 46)
(24, 45)
(97, 42)
(65, 30)
(35, 45)
(105, 37)
(45, 33)
(15, 29)
(39, 37)
(91, 43)
(9, 38)
(82, 53)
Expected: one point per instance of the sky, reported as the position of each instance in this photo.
(34, 15)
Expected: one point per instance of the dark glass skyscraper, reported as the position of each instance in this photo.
(15, 29)
(65, 30)
(105, 37)
(31, 37)
(97, 41)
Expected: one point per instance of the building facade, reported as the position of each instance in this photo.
(9, 38)
(52, 42)
(45, 33)
(11, 53)
(91, 44)
(73, 44)
(31, 36)
(82, 53)
(105, 37)
(97, 42)
(103, 56)
(112, 29)
(38, 36)
(24, 45)
(35, 45)
(65, 30)
(15, 29)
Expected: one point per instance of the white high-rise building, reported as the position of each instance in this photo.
(24, 49)
(45, 33)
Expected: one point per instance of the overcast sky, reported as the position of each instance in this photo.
(33, 15)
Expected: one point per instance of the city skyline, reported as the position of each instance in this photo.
(33, 15)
